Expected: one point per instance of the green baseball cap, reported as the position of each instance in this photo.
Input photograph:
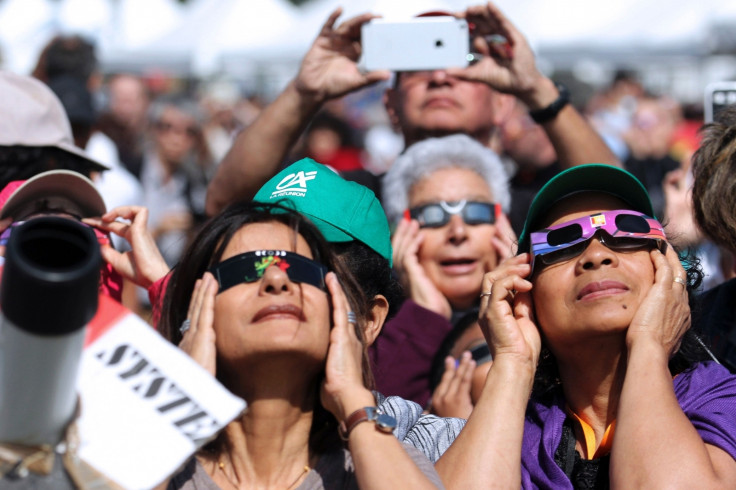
(593, 177)
(342, 210)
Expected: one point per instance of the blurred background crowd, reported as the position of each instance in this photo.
(157, 89)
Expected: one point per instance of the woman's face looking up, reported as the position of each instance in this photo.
(272, 315)
(595, 293)
(455, 256)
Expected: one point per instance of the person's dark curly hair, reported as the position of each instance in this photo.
(714, 172)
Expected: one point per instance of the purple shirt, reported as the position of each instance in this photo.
(706, 392)
(402, 355)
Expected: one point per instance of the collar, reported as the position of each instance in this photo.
(589, 435)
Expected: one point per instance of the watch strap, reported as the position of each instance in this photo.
(384, 423)
(550, 112)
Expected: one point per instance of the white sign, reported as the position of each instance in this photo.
(146, 406)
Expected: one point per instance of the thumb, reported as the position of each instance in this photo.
(112, 257)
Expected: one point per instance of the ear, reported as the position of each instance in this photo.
(376, 318)
(503, 106)
(392, 103)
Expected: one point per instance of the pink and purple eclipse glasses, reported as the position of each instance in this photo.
(620, 230)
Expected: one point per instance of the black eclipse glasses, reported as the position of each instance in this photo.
(250, 267)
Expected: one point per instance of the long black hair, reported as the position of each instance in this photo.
(207, 249)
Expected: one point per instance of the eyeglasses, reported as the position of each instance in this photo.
(620, 230)
(250, 267)
(437, 214)
(481, 353)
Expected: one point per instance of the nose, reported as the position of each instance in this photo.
(596, 255)
(439, 77)
(457, 230)
(275, 281)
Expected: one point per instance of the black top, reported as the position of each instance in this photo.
(715, 318)
(583, 473)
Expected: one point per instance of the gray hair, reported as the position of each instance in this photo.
(428, 156)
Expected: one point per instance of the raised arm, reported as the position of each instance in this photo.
(655, 443)
(487, 453)
(329, 70)
(380, 460)
(510, 68)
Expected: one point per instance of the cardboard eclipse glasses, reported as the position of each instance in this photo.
(250, 267)
(619, 230)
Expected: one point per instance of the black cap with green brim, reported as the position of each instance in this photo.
(343, 211)
(593, 177)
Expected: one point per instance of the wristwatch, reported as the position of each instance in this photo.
(550, 112)
(384, 422)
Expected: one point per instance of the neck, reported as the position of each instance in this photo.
(169, 167)
(269, 445)
(592, 375)
(487, 137)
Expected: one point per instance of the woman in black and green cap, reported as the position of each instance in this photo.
(596, 380)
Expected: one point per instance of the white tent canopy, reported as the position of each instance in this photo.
(204, 34)
(27, 25)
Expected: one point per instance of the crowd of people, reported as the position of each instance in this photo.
(528, 295)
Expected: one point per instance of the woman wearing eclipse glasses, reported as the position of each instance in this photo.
(448, 196)
(591, 319)
(257, 302)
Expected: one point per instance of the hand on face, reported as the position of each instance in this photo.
(405, 243)
(199, 340)
(329, 69)
(504, 238)
(342, 390)
(506, 315)
(143, 264)
(663, 316)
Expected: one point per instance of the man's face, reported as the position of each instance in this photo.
(433, 103)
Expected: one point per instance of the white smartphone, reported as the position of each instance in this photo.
(717, 96)
(423, 43)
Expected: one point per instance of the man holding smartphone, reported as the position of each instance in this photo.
(473, 100)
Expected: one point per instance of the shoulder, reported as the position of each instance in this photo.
(707, 395)
(192, 477)
(705, 383)
(429, 434)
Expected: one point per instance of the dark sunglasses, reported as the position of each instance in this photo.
(481, 353)
(250, 267)
(437, 214)
(619, 230)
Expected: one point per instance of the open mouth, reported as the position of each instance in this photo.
(458, 266)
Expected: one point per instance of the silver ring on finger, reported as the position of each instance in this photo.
(486, 293)
(352, 317)
(680, 280)
(185, 325)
